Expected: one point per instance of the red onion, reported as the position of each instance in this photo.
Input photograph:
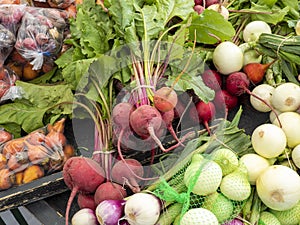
(109, 212)
(234, 222)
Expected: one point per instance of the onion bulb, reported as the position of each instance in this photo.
(268, 140)
(278, 187)
(109, 211)
(142, 209)
(255, 164)
(264, 91)
(290, 122)
(199, 216)
(84, 216)
(296, 156)
(286, 97)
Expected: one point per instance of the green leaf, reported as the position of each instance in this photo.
(275, 15)
(209, 25)
(29, 112)
(25, 116)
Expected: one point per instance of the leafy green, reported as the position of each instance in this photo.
(209, 25)
(29, 112)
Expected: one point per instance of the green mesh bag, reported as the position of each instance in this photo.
(199, 184)
(202, 186)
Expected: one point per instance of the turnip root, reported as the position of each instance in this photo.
(228, 58)
(165, 99)
(129, 172)
(83, 175)
(109, 191)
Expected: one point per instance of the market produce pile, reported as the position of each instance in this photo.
(162, 82)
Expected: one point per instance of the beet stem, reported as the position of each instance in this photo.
(270, 106)
(124, 161)
(69, 203)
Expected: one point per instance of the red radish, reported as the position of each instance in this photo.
(206, 112)
(128, 171)
(224, 99)
(256, 71)
(109, 191)
(212, 79)
(86, 201)
(82, 175)
(165, 99)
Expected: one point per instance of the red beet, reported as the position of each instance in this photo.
(237, 83)
(83, 175)
(128, 171)
(86, 201)
(223, 99)
(109, 191)
(212, 79)
(165, 99)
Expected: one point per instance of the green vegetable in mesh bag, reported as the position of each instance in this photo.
(203, 175)
(226, 159)
(267, 218)
(235, 185)
(219, 205)
(290, 216)
(199, 216)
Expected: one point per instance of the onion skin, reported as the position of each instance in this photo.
(278, 187)
(109, 212)
(84, 216)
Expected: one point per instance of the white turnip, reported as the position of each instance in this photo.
(220, 9)
(254, 29)
(228, 58)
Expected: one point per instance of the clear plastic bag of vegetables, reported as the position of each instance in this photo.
(7, 42)
(40, 35)
(11, 16)
(35, 155)
(8, 90)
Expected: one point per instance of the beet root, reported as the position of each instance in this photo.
(109, 191)
(165, 99)
(82, 175)
(129, 172)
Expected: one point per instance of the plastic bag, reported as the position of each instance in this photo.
(35, 155)
(7, 42)
(8, 90)
(40, 35)
(11, 16)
